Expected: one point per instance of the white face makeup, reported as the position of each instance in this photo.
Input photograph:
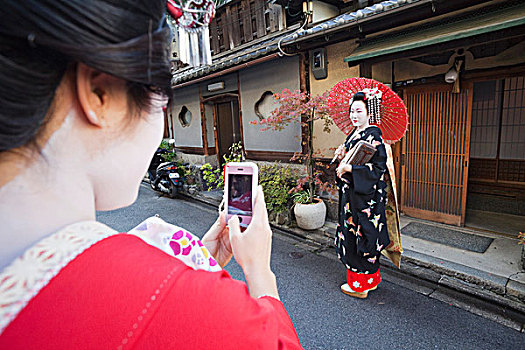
(359, 115)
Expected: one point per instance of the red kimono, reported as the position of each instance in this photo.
(88, 287)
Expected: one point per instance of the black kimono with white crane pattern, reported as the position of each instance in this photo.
(362, 231)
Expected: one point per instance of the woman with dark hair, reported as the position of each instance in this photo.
(82, 87)
(361, 232)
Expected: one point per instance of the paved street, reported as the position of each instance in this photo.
(393, 317)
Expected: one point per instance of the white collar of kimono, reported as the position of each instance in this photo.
(28, 274)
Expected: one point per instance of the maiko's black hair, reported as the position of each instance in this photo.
(358, 96)
(40, 39)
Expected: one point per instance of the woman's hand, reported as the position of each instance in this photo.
(252, 249)
(343, 168)
(217, 241)
(340, 152)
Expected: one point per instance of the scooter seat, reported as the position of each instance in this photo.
(163, 164)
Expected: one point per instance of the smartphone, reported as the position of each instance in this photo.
(240, 186)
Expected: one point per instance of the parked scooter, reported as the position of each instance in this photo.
(165, 177)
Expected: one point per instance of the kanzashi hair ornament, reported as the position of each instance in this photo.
(373, 101)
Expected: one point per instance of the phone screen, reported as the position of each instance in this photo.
(240, 194)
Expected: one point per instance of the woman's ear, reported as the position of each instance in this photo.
(93, 92)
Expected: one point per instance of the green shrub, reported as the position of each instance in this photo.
(214, 177)
(277, 182)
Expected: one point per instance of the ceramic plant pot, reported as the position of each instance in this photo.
(310, 216)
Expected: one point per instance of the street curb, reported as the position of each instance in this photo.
(475, 284)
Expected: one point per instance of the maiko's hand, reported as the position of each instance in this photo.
(343, 168)
(217, 241)
(340, 152)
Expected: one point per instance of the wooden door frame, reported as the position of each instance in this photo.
(435, 215)
(470, 87)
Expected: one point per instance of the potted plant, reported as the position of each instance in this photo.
(301, 107)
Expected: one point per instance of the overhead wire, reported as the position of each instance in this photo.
(281, 52)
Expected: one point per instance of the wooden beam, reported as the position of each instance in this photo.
(432, 216)
(203, 123)
(225, 33)
(246, 21)
(214, 37)
(235, 25)
(228, 27)
(191, 150)
(269, 155)
(273, 10)
(365, 70)
(303, 85)
(260, 6)
(467, 154)
(240, 109)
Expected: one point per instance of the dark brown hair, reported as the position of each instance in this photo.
(40, 39)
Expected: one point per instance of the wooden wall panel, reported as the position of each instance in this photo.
(235, 25)
(214, 37)
(225, 37)
(240, 22)
(246, 21)
(227, 25)
(435, 154)
(259, 18)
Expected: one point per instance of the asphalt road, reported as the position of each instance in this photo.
(393, 316)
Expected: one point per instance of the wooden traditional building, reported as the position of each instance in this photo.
(465, 147)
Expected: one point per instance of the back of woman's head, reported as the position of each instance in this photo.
(40, 39)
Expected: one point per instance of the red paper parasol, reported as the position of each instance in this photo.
(394, 116)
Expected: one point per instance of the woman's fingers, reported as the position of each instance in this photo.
(221, 220)
(218, 226)
(259, 209)
(235, 228)
(252, 248)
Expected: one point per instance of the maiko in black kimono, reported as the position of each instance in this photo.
(362, 231)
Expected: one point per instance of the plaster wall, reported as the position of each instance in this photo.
(273, 76)
(323, 142)
(189, 136)
(230, 85)
(323, 11)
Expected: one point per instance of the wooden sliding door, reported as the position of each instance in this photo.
(435, 154)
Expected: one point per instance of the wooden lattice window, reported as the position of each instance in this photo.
(242, 21)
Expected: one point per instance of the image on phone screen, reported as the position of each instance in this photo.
(240, 194)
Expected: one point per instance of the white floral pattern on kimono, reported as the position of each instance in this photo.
(176, 242)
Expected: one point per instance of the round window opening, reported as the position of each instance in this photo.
(185, 117)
